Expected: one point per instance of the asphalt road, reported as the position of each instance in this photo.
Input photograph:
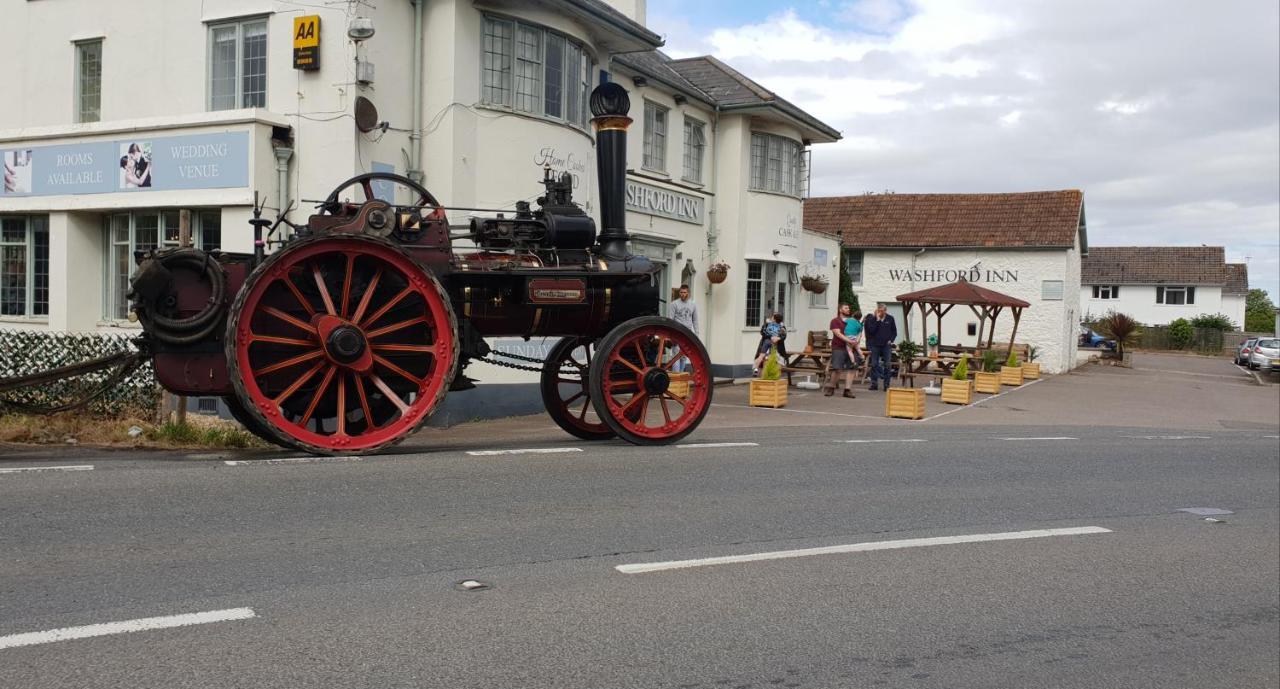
(351, 568)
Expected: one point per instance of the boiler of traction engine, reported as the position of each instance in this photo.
(557, 224)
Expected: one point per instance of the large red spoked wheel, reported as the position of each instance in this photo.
(633, 386)
(341, 345)
(565, 392)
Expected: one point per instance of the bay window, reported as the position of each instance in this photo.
(534, 70)
(777, 164)
(695, 142)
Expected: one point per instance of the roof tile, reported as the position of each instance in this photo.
(1156, 265)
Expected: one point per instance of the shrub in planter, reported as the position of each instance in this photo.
(958, 389)
(1030, 370)
(904, 403)
(770, 389)
(1122, 328)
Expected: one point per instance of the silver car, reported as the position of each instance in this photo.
(1265, 354)
(1242, 352)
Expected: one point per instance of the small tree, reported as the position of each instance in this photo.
(1120, 327)
(772, 371)
(847, 295)
(1032, 353)
(1180, 333)
(1012, 361)
(990, 362)
(1213, 321)
(1259, 312)
(961, 371)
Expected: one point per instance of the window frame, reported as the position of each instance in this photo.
(775, 281)
(1106, 292)
(239, 23)
(1188, 293)
(654, 156)
(79, 96)
(855, 258)
(820, 259)
(777, 165)
(501, 92)
(695, 152)
(32, 283)
(202, 220)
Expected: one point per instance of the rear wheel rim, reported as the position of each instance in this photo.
(301, 318)
(566, 392)
(638, 391)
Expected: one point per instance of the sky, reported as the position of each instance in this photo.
(1166, 113)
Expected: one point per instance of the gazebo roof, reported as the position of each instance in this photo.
(962, 292)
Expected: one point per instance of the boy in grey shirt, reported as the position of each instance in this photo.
(684, 312)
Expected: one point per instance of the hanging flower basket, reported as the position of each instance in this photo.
(718, 273)
(816, 285)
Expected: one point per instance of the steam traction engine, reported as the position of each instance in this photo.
(348, 337)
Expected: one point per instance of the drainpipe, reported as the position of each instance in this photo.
(415, 71)
(713, 231)
(283, 154)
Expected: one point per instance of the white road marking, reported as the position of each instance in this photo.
(1170, 437)
(799, 411)
(71, 467)
(984, 400)
(1047, 437)
(288, 460)
(124, 627)
(886, 440)
(523, 451)
(1271, 436)
(695, 446)
(859, 548)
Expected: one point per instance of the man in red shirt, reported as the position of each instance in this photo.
(841, 365)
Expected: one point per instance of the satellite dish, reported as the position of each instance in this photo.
(366, 114)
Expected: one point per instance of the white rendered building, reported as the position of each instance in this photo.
(1159, 284)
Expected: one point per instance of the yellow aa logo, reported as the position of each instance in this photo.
(306, 31)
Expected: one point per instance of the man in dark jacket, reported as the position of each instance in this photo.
(880, 332)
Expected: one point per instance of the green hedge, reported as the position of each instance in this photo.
(24, 352)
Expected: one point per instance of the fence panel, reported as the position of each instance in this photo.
(1203, 340)
(24, 352)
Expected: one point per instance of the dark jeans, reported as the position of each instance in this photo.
(881, 362)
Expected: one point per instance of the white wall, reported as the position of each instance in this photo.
(1139, 301)
(1050, 325)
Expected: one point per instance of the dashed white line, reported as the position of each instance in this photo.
(288, 460)
(695, 446)
(68, 467)
(859, 547)
(124, 627)
(1169, 437)
(885, 440)
(523, 451)
(1047, 437)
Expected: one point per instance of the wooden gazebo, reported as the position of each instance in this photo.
(985, 303)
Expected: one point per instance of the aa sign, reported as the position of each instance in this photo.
(306, 42)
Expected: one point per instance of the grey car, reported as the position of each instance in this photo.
(1265, 354)
(1242, 352)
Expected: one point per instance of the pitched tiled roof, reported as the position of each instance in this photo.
(1154, 265)
(730, 89)
(1025, 219)
(656, 64)
(606, 12)
(1237, 278)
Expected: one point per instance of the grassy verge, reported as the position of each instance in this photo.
(80, 429)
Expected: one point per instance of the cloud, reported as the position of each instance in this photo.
(1167, 116)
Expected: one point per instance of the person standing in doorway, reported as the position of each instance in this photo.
(685, 312)
(881, 332)
(841, 359)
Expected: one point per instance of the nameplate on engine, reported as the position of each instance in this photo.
(564, 291)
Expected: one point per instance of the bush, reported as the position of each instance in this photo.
(1180, 333)
(1212, 321)
(1012, 361)
(908, 350)
(990, 362)
(961, 371)
(772, 371)
(1259, 312)
(1120, 327)
(1032, 353)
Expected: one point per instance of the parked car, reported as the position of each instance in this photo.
(1089, 338)
(1242, 352)
(1265, 354)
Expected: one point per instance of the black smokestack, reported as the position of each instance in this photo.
(610, 105)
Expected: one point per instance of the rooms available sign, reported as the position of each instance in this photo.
(145, 163)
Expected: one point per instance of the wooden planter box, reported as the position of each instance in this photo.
(986, 382)
(1031, 371)
(1011, 375)
(679, 385)
(767, 393)
(957, 391)
(904, 403)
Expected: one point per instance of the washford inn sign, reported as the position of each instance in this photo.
(643, 198)
(951, 275)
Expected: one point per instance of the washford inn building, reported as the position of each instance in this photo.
(1159, 284)
(1026, 245)
(104, 144)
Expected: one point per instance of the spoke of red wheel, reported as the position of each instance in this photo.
(666, 413)
(394, 327)
(386, 390)
(346, 285)
(297, 294)
(667, 366)
(368, 189)
(315, 400)
(386, 307)
(640, 352)
(662, 348)
(364, 298)
(397, 370)
(254, 337)
(420, 349)
(644, 411)
(683, 401)
(638, 397)
(293, 361)
(324, 289)
(288, 392)
(301, 325)
(630, 365)
(364, 404)
(573, 397)
(342, 404)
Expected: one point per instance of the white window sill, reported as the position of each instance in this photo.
(783, 194)
(655, 171)
(532, 116)
(23, 320)
(123, 325)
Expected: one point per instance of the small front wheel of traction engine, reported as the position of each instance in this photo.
(650, 381)
(565, 391)
(341, 345)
